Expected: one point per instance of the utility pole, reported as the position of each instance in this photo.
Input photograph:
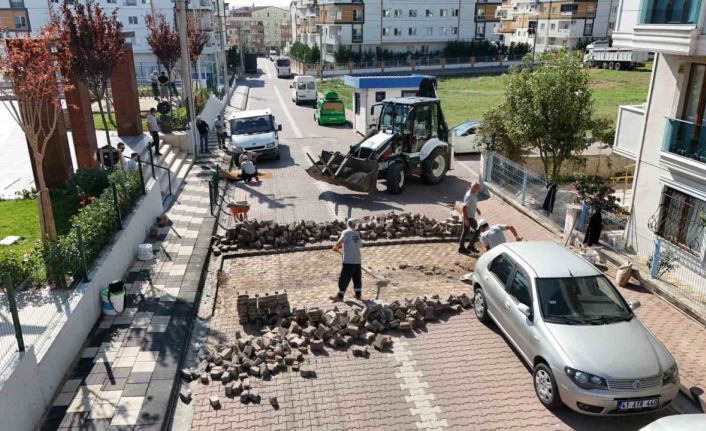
(186, 89)
(534, 31)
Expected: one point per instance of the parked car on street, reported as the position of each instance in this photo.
(330, 110)
(585, 345)
(255, 131)
(303, 89)
(273, 55)
(282, 64)
(463, 138)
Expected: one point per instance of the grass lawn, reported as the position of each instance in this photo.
(469, 97)
(98, 121)
(21, 217)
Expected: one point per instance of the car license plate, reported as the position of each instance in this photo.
(638, 404)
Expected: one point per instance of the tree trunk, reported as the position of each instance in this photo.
(108, 105)
(105, 125)
(46, 213)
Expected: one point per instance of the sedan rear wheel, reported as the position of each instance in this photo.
(479, 306)
(545, 387)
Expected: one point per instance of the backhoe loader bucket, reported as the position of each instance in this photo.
(344, 170)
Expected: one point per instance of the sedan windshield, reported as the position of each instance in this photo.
(581, 301)
(246, 126)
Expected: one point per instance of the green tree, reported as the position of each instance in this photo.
(548, 108)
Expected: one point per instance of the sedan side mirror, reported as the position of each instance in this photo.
(279, 127)
(634, 305)
(524, 309)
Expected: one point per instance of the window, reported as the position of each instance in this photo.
(130, 2)
(502, 267)
(454, 12)
(542, 26)
(397, 32)
(520, 289)
(680, 219)
(412, 31)
(386, 12)
(425, 126)
(379, 96)
(20, 22)
(398, 13)
(429, 13)
(454, 30)
(581, 301)
(591, 11)
(429, 31)
(480, 30)
(357, 15)
(480, 14)
(132, 20)
(111, 1)
(588, 28)
(569, 8)
(408, 93)
(552, 26)
(386, 31)
(443, 12)
(443, 30)
(413, 13)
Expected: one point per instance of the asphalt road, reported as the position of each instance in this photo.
(302, 135)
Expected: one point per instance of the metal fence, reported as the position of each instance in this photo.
(526, 187)
(34, 300)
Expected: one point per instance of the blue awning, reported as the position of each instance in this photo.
(392, 81)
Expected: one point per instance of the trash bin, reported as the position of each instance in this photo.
(113, 298)
(144, 252)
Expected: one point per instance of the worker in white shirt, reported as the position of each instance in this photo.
(491, 236)
(248, 169)
(153, 127)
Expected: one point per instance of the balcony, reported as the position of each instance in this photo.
(628, 131)
(664, 27)
(684, 148)
(658, 12)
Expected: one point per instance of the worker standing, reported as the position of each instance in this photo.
(351, 268)
(470, 225)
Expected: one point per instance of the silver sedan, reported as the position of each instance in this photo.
(585, 346)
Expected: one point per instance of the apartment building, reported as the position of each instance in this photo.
(303, 14)
(555, 23)
(486, 20)
(261, 28)
(14, 18)
(394, 25)
(666, 136)
(132, 15)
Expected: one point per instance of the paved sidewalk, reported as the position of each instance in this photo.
(124, 376)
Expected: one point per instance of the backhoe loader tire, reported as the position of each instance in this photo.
(434, 167)
(396, 178)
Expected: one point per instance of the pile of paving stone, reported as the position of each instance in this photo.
(259, 235)
(262, 308)
(282, 347)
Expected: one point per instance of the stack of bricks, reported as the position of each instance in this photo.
(259, 308)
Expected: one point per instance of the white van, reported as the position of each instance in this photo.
(273, 55)
(282, 65)
(303, 89)
(256, 131)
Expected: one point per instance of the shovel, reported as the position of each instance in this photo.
(380, 283)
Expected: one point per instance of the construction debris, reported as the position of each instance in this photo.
(290, 335)
(268, 235)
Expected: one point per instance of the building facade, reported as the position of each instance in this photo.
(132, 13)
(666, 136)
(14, 18)
(555, 23)
(260, 29)
(392, 25)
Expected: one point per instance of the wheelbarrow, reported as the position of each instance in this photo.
(239, 210)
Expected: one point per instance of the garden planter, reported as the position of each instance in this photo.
(623, 274)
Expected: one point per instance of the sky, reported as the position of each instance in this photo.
(240, 3)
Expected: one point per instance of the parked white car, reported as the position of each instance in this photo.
(303, 89)
(255, 131)
(586, 347)
(273, 55)
(692, 422)
(463, 138)
(283, 67)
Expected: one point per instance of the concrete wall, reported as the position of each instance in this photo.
(28, 390)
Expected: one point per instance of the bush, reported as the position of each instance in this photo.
(61, 260)
(596, 192)
(87, 182)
